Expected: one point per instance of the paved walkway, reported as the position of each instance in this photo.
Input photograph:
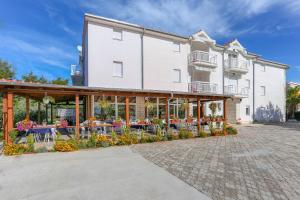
(111, 174)
(262, 162)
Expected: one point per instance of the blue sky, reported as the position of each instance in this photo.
(42, 36)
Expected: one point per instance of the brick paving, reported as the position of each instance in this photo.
(262, 162)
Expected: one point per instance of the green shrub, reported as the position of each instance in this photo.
(41, 150)
(13, 135)
(203, 134)
(159, 135)
(143, 137)
(92, 141)
(231, 131)
(1, 136)
(189, 134)
(114, 137)
(183, 133)
(151, 138)
(30, 143)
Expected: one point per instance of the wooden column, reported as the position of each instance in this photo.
(225, 110)
(27, 116)
(199, 114)
(51, 109)
(4, 117)
(187, 109)
(8, 115)
(167, 112)
(77, 122)
(127, 111)
(39, 113)
(92, 106)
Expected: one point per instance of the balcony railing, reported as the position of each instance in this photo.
(234, 90)
(203, 87)
(234, 64)
(75, 71)
(202, 57)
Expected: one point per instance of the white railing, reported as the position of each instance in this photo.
(75, 71)
(234, 90)
(202, 56)
(234, 63)
(203, 87)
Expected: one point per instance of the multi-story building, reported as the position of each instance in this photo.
(117, 54)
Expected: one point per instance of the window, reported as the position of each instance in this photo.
(248, 110)
(262, 90)
(118, 69)
(247, 83)
(176, 46)
(177, 75)
(117, 34)
(262, 68)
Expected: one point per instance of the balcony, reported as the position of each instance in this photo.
(202, 58)
(203, 87)
(237, 66)
(237, 91)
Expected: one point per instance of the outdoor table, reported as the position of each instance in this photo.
(38, 131)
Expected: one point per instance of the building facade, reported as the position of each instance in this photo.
(117, 54)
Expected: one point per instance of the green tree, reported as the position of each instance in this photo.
(292, 100)
(60, 81)
(6, 70)
(30, 77)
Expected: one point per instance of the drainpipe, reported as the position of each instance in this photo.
(223, 81)
(142, 58)
(253, 115)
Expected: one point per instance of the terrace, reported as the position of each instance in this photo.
(76, 117)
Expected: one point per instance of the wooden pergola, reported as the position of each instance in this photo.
(66, 93)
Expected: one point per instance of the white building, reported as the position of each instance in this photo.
(117, 54)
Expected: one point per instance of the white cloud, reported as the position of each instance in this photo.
(216, 17)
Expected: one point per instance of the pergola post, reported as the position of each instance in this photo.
(77, 124)
(225, 110)
(27, 116)
(8, 115)
(167, 112)
(127, 110)
(92, 105)
(187, 109)
(199, 114)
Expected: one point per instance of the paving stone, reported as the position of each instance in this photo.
(261, 162)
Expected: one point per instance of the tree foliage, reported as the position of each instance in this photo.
(60, 81)
(292, 99)
(6, 70)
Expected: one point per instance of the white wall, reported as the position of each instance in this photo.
(103, 51)
(274, 80)
(216, 76)
(159, 61)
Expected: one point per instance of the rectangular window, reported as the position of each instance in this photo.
(262, 90)
(177, 75)
(247, 83)
(118, 69)
(247, 110)
(263, 68)
(117, 34)
(176, 46)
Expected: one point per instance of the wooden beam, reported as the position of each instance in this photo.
(77, 122)
(225, 110)
(27, 105)
(198, 114)
(127, 111)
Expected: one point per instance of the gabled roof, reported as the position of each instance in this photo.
(203, 37)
